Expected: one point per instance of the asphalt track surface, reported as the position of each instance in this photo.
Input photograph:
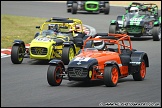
(25, 85)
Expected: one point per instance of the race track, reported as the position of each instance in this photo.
(25, 85)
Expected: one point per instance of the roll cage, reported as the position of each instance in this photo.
(144, 7)
(74, 25)
(111, 39)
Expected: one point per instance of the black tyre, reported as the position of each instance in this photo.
(111, 76)
(74, 8)
(17, 54)
(139, 76)
(112, 29)
(53, 75)
(67, 54)
(156, 32)
(107, 8)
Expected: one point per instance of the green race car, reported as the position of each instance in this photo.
(59, 38)
(139, 20)
(88, 6)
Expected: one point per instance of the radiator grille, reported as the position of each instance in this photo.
(39, 51)
(78, 72)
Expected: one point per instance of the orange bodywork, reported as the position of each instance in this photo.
(104, 56)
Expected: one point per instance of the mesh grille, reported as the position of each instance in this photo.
(78, 72)
(39, 51)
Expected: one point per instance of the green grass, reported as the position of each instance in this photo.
(18, 27)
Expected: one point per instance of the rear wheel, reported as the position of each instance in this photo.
(111, 76)
(67, 54)
(156, 32)
(53, 75)
(139, 76)
(74, 8)
(17, 54)
(107, 8)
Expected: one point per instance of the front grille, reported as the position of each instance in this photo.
(92, 5)
(132, 29)
(78, 72)
(39, 51)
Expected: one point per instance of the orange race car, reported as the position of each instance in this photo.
(109, 58)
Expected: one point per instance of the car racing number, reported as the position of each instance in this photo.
(43, 39)
(135, 19)
(82, 59)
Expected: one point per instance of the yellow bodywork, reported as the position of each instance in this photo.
(45, 47)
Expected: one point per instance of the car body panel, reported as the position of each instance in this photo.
(90, 63)
(139, 24)
(49, 44)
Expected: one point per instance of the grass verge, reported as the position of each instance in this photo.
(18, 27)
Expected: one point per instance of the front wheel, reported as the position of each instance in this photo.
(67, 54)
(17, 54)
(156, 32)
(111, 76)
(139, 76)
(53, 75)
(112, 29)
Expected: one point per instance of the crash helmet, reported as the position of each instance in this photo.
(134, 10)
(99, 44)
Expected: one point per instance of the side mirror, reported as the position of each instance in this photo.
(38, 27)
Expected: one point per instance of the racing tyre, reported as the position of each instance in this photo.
(107, 8)
(139, 76)
(67, 54)
(74, 8)
(112, 29)
(17, 54)
(111, 76)
(53, 75)
(156, 32)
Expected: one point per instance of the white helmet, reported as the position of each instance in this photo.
(99, 44)
(134, 10)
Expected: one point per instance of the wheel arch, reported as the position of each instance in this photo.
(67, 44)
(138, 56)
(57, 62)
(113, 22)
(110, 63)
(19, 42)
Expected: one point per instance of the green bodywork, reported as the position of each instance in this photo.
(91, 5)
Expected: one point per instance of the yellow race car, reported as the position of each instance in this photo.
(59, 38)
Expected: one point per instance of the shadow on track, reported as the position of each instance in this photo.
(94, 83)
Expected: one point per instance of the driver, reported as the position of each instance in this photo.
(134, 10)
(53, 27)
(99, 44)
